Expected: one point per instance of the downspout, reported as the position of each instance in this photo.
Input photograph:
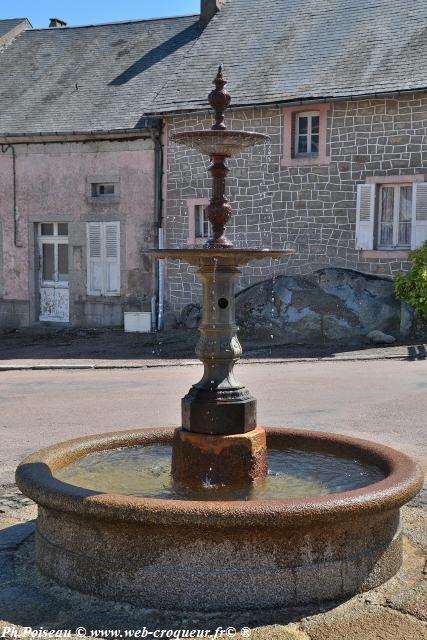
(4, 149)
(156, 133)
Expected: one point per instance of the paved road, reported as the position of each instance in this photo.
(385, 401)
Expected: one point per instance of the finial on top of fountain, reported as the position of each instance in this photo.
(219, 99)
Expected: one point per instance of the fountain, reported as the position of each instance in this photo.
(219, 513)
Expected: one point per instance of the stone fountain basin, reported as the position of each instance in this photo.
(219, 555)
(224, 142)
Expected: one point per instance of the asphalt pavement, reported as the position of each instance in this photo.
(382, 400)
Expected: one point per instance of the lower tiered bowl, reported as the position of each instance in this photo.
(220, 554)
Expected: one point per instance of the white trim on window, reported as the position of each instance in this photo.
(419, 214)
(396, 221)
(365, 216)
(368, 230)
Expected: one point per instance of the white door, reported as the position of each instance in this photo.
(54, 291)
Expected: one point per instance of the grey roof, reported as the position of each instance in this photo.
(286, 50)
(9, 24)
(107, 77)
(100, 77)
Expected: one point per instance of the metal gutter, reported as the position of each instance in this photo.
(4, 148)
(296, 102)
(78, 136)
(156, 135)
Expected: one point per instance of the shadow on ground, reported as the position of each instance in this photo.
(114, 344)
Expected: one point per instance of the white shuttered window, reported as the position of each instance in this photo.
(365, 216)
(103, 258)
(419, 214)
(391, 216)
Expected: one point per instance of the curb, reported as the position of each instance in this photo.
(192, 363)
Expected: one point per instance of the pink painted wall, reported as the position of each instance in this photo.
(51, 183)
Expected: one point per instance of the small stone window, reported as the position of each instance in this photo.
(202, 224)
(103, 189)
(306, 134)
(100, 189)
(199, 227)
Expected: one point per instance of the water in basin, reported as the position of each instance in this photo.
(145, 472)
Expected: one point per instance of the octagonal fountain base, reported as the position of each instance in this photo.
(219, 555)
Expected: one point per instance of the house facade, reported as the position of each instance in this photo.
(358, 203)
(80, 168)
(74, 217)
(340, 91)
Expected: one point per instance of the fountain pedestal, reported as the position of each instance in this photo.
(219, 404)
(231, 460)
(219, 442)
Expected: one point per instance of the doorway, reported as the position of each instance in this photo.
(54, 278)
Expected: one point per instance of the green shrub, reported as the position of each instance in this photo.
(412, 286)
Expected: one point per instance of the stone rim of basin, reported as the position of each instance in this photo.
(34, 476)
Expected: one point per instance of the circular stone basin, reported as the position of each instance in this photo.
(225, 142)
(222, 553)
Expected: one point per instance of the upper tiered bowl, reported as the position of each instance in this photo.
(226, 143)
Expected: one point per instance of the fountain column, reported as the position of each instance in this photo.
(219, 442)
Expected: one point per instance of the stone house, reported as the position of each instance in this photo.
(339, 87)
(79, 167)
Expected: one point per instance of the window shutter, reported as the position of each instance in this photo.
(365, 215)
(95, 276)
(112, 258)
(419, 214)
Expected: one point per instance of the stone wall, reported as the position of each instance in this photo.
(313, 207)
(330, 305)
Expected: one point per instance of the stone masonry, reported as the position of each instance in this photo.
(312, 206)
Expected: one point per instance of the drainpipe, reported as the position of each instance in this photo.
(156, 133)
(4, 149)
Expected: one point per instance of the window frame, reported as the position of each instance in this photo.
(396, 209)
(419, 224)
(54, 239)
(289, 158)
(201, 222)
(192, 205)
(106, 198)
(96, 187)
(309, 115)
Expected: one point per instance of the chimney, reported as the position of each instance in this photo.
(56, 22)
(208, 8)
